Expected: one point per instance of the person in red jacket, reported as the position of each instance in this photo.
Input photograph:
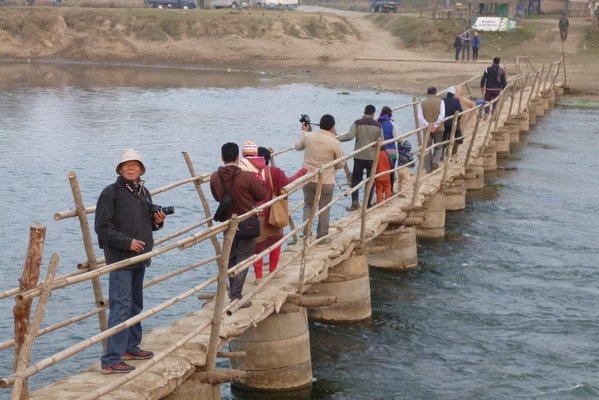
(274, 180)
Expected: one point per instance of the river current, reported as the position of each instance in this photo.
(504, 307)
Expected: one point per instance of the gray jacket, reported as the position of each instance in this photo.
(366, 131)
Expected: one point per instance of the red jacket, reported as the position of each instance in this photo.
(279, 181)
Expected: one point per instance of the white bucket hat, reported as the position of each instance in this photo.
(451, 90)
(130, 155)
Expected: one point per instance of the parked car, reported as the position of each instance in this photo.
(185, 4)
(226, 3)
(384, 6)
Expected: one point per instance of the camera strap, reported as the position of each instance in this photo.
(138, 191)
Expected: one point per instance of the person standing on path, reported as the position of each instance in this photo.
(245, 191)
(431, 112)
(475, 46)
(366, 131)
(320, 147)
(563, 24)
(390, 131)
(274, 180)
(492, 83)
(457, 45)
(452, 104)
(466, 37)
(124, 224)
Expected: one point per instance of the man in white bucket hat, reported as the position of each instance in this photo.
(124, 225)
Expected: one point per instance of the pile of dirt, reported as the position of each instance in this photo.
(125, 34)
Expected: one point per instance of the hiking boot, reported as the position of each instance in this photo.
(353, 207)
(138, 355)
(325, 242)
(118, 368)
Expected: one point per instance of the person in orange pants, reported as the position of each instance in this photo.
(383, 183)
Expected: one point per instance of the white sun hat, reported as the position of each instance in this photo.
(130, 155)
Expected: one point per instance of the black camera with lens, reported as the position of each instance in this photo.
(168, 210)
(305, 119)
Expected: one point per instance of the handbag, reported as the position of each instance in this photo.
(278, 215)
(248, 228)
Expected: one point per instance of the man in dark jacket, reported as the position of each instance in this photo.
(245, 191)
(493, 82)
(452, 104)
(563, 24)
(124, 225)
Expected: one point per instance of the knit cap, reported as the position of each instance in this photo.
(249, 149)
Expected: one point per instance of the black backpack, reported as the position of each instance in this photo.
(223, 211)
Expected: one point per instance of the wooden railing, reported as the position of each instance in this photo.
(522, 88)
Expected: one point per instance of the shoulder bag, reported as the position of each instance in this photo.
(279, 211)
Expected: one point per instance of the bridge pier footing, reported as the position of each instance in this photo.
(514, 129)
(489, 156)
(502, 139)
(401, 250)
(475, 174)
(455, 195)
(532, 115)
(524, 124)
(538, 107)
(278, 352)
(350, 283)
(433, 215)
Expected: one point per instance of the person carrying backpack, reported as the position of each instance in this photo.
(240, 190)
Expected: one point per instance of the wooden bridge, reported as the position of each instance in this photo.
(268, 343)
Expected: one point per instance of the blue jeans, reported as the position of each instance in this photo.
(125, 293)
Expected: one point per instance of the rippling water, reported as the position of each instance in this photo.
(504, 307)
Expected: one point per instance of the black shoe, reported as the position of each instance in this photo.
(247, 304)
(353, 207)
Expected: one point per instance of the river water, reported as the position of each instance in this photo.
(504, 307)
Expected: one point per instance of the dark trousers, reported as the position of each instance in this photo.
(240, 250)
(457, 53)
(466, 51)
(357, 175)
(490, 95)
(392, 162)
(474, 53)
(125, 293)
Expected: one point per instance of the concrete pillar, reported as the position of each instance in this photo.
(549, 96)
(193, 389)
(400, 249)
(538, 107)
(559, 91)
(489, 156)
(524, 124)
(350, 283)
(433, 215)
(502, 139)
(514, 129)
(278, 352)
(475, 174)
(455, 195)
(532, 115)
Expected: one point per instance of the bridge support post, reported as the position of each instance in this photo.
(532, 115)
(277, 352)
(513, 127)
(400, 249)
(433, 214)
(549, 99)
(489, 156)
(455, 195)
(524, 123)
(538, 107)
(502, 139)
(350, 283)
(475, 174)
